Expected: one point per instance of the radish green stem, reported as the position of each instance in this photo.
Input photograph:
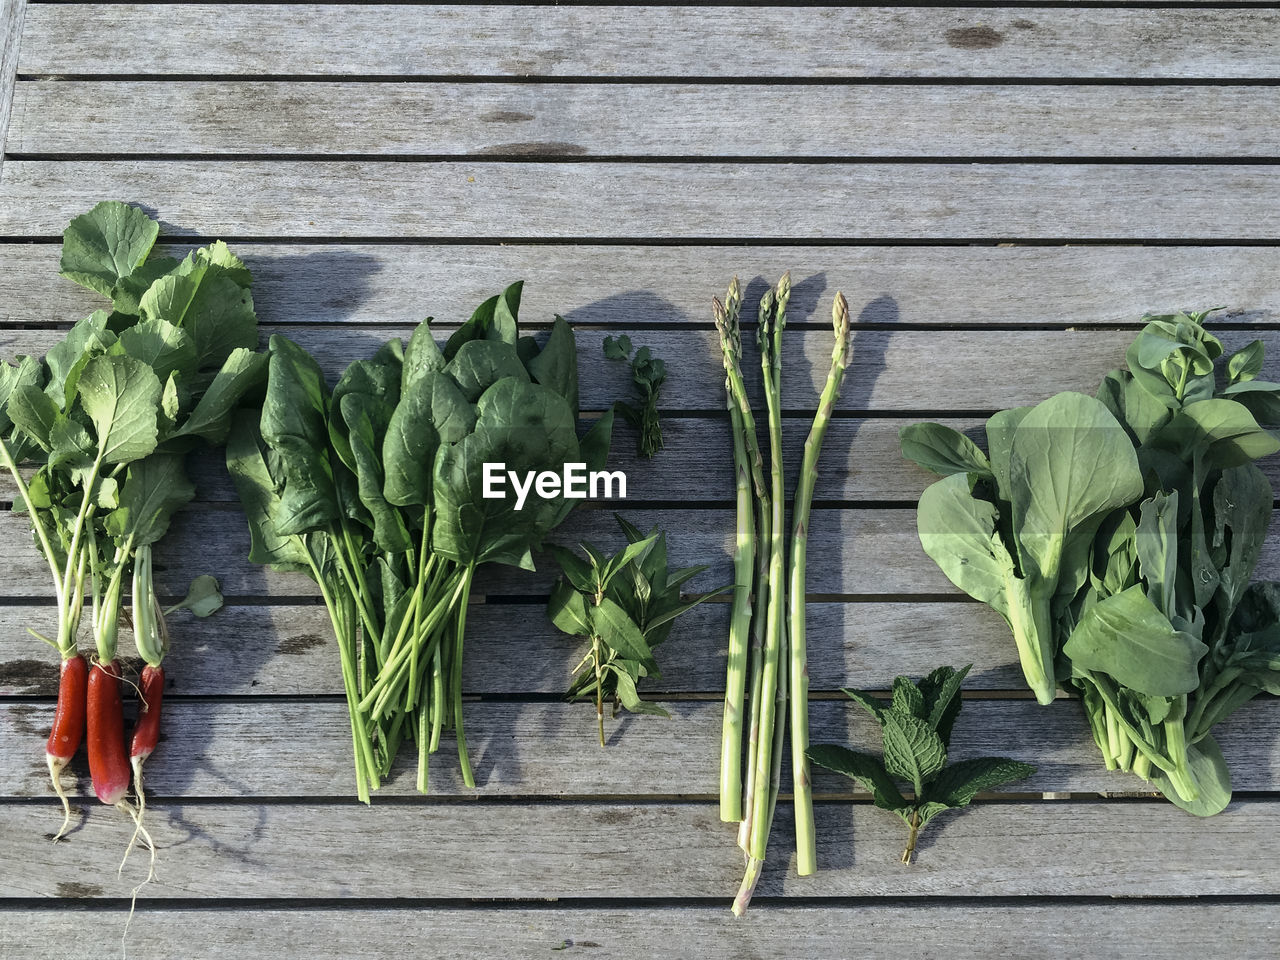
(806, 844)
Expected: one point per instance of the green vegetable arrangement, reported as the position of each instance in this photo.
(374, 488)
(915, 728)
(649, 374)
(767, 622)
(1117, 535)
(625, 605)
(108, 416)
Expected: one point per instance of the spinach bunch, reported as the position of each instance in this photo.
(109, 413)
(1117, 535)
(375, 489)
(625, 605)
(916, 731)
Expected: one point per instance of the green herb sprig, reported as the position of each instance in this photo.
(626, 605)
(916, 732)
(649, 373)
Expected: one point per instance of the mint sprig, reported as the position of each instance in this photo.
(915, 729)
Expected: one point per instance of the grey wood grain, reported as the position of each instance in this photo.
(650, 41)
(973, 930)
(663, 120)
(1007, 286)
(11, 17)
(871, 553)
(662, 200)
(273, 750)
(568, 850)
(288, 649)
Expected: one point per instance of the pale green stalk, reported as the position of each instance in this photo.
(744, 568)
(770, 339)
(806, 843)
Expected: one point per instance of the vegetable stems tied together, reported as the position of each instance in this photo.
(767, 657)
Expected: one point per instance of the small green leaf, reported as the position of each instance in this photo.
(617, 348)
(34, 413)
(908, 700)
(203, 598)
(960, 782)
(865, 769)
(1246, 363)
(869, 703)
(942, 450)
(618, 630)
(567, 610)
(577, 571)
(913, 751)
(941, 690)
(631, 699)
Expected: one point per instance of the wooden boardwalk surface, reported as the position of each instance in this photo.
(1000, 191)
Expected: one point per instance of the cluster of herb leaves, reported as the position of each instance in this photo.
(375, 488)
(1117, 535)
(649, 373)
(916, 731)
(110, 412)
(625, 605)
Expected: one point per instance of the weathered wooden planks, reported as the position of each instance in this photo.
(667, 200)
(288, 649)
(662, 120)
(570, 850)
(11, 17)
(1009, 286)
(283, 749)
(972, 930)
(346, 40)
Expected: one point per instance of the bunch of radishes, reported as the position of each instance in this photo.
(103, 423)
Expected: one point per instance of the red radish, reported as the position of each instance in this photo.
(68, 727)
(107, 763)
(146, 733)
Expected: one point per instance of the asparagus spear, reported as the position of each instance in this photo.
(806, 852)
(731, 793)
(769, 337)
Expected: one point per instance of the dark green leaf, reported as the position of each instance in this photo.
(908, 700)
(619, 632)
(913, 751)
(960, 782)
(865, 769)
(556, 365)
(211, 418)
(617, 348)
(480, 364)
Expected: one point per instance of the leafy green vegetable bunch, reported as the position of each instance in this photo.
(109, 413)
(626, 606)
(648, 373)
(374, 488)
(1117, 535)
(916, 731)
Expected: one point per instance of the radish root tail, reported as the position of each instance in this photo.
(56, 766)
